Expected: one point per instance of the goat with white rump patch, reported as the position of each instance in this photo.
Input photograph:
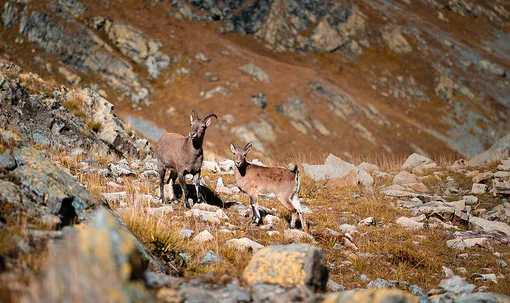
(254, 179)
(183, 155)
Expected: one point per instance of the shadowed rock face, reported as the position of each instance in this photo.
(99, 262)
(35, 180)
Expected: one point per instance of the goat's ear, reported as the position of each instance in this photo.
(194, 115)
(233, 147)
(247, 148)
(208, 121)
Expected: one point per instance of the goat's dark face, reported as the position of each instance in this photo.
(240, 153)
(198, 126)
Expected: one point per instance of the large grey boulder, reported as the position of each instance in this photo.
(293, 265)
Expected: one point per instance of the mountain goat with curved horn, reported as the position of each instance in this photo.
(183, 155)
(254, 179)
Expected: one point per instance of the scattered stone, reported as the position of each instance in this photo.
(370, 168)
(203, 236)
(365, 178)
(348, 228)
(296, 235)
(470, 199)
(259, 100)
(490, 225)
(272, 233)
(257, 73)
(293, 265)
(482, 177)
(334, 286)
(244, 244)
(210, 258)
(208, 216)
(479, 189)
(457, 285)
(272, 220)
(409, 223)
(367, 221)
(417, 163)
(160, 211)
(403, 178)
(186, 233)
(202, 58)
(381, 283)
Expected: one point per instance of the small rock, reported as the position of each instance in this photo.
(203, 236)
(334, 286)
(160, 211)
(186, 233)
(272, 233)
(367, 221)
(210, 258)
(270, 219)
(202, 58)
(470, 199)
(447, 272)
(482, 177)
(348, 228)
(479, 188)
(457, 285)
(244, 244)
(404, 177)
(296, 235)
(409, 223)
(417, 163)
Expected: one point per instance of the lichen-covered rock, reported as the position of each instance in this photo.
(98, 262)
(381, 295)
(293, 265)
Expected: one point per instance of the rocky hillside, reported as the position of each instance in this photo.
(80, 220)
(358, 77)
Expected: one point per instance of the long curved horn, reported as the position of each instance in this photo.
(234, 143)
(209, 115)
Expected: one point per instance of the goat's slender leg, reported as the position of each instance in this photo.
(297, 206)
(255, 209)
(196, 182)
(172, 177)
(182, 183)
(293, 219)
(162, 172)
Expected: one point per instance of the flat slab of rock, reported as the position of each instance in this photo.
(293, 265)
(244, 244)
(409, 223)
(490, 225)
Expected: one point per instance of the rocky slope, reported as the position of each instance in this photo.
(81, 221)
(358, 77)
